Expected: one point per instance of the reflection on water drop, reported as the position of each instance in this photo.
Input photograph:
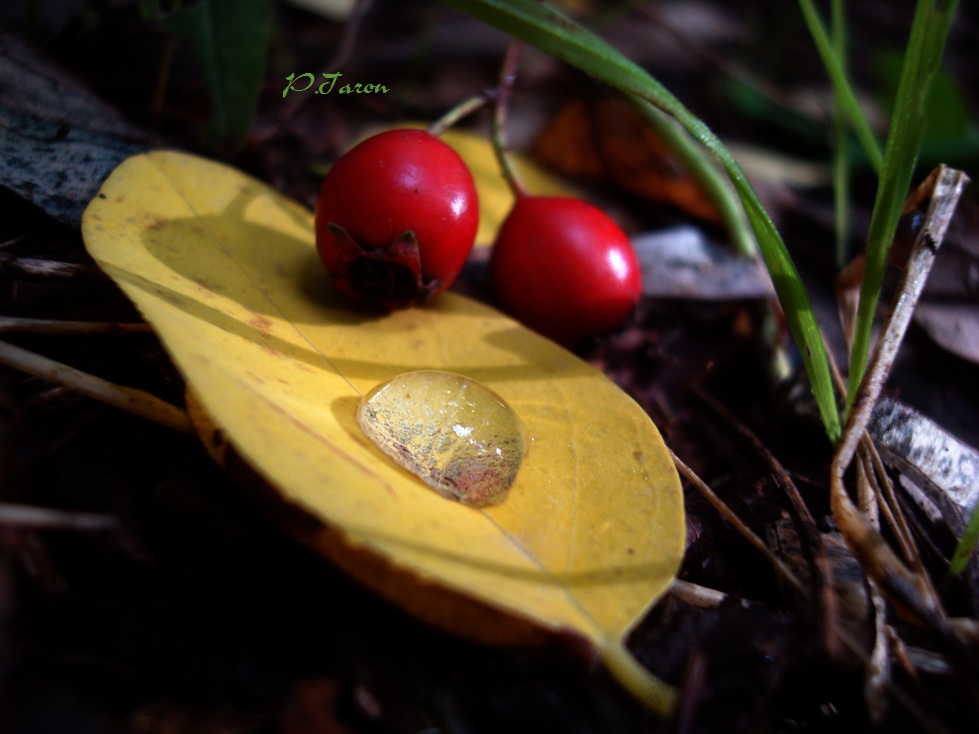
(454, 433)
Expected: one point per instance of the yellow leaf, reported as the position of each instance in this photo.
(592, 530)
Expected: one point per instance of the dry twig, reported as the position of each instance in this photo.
(15, 325)
(904, 586)
(701, 486)
(35, 268)
(31, 518)
(138, 402)
(820, 571)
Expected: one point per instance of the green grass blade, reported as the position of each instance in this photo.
(841, 84)
(923, 58)
(230, 38)
(966, 545)
(841, 166)
(556, 34)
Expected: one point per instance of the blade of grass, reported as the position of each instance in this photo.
(841, 166)
(926, 45)
(556, 34)
(230, 38)
(833, 61)
(966, 545)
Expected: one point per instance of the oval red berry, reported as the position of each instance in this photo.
(396, 218)
(564, 269)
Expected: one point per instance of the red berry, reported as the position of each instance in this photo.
(396, 219)
(564, 268)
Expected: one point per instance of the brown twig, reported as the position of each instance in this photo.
(878, 663)
(878, 673)
(36, 268)
(698, 596)
(728, 514)
(133, 401)
(820, 570)
(31, 518)
(890, 508)
(508, 75)
(896, 580)
(15, 325)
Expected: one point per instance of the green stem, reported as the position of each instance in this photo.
(841, 84)
(460, 111)
(965, 547)
(841, 168)
(926, 45)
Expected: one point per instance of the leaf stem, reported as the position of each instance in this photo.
(658, 695)
(845, 95)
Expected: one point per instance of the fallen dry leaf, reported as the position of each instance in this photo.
(58, 141)
(681, 263)
(608, 141)
(936, 468)
(953, 326)
(592, 530)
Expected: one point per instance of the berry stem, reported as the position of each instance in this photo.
(462, 109)
(508, 74)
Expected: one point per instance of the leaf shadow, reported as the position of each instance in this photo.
(264, 269)
(271, 273)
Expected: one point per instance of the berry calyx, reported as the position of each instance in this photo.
(564, 268)
(396, 219)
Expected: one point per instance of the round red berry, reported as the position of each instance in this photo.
(564, 269)
(396, 218)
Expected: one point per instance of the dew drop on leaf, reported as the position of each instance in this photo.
(454, 433)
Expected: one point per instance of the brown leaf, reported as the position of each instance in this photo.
(608, 142)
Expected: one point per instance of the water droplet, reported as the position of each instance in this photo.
(452, 432)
